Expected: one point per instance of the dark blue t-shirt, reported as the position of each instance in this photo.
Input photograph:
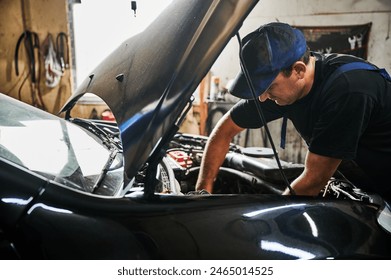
(350, 120)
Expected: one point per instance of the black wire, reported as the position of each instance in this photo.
(260, 113)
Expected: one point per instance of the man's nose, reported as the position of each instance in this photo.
(263, 97)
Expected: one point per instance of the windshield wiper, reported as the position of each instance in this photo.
(114, 146)
(106, 138)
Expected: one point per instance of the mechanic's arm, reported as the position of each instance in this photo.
(317, 172)
(215, 151)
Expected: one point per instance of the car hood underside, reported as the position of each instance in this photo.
(150, 78)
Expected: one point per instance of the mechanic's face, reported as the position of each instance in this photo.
(284, 90)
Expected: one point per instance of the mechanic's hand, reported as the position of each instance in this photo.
(200, 192)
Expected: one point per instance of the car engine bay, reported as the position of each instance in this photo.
(243, 172)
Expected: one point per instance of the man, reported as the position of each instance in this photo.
(348, 121)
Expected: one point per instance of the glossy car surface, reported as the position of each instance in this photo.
(81, 189)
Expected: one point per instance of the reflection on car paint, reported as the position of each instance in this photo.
(312, 224)
(17, 201)
(49, 208)
(291, 251)
(272, 209)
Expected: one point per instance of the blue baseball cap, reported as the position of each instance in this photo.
(266, 51)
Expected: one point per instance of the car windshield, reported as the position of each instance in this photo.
(51, 146)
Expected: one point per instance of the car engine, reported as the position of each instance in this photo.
(244, 171)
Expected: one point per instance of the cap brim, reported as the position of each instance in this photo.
(241, 89)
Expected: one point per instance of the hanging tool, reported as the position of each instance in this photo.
(31, 41)
(53, 68)
(62, 50)
(134, 7)
(31, 44)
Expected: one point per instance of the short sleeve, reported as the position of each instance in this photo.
(245, 114)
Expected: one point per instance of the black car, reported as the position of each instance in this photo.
(73, 188)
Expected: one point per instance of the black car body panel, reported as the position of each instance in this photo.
(62, 224)
(132, 199)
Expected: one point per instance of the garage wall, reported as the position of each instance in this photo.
(310, 13)
(42, 17)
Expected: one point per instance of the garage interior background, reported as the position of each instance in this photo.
(56, 17)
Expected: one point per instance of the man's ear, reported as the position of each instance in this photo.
(299, 68)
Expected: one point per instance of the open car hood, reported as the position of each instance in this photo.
(149, 79)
